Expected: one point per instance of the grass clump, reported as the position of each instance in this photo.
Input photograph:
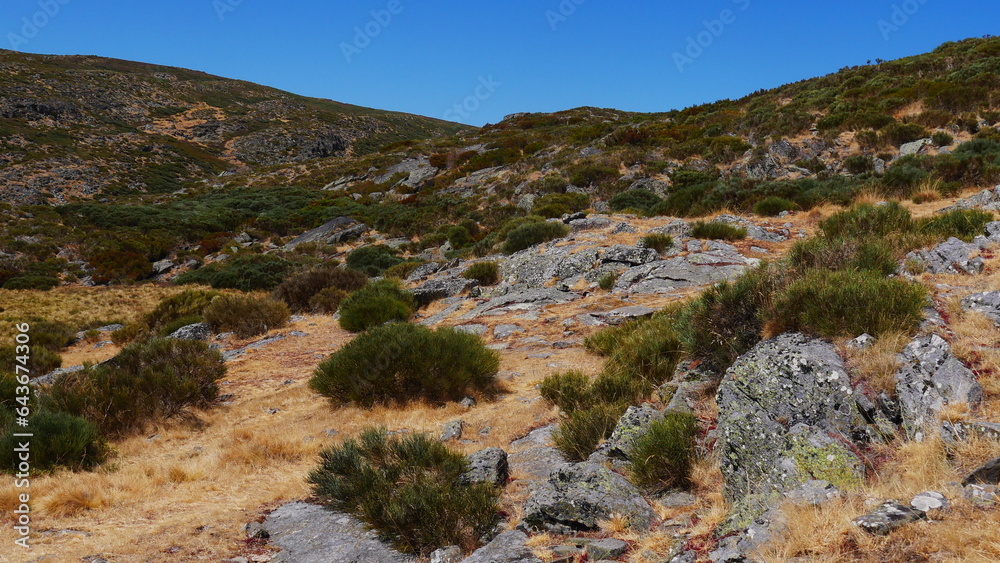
(407, 489)
(658, 242)
(486, 273)
(374, 260)
(532, 233)
(965, 224)
(376, 304)
(298, 289)
(608, 281)
(848, 303)
(147, 382)
(717, 231)
(59, 440)
(774, 206)
(641, 200)
(844, 254)
(582, 430)
(662, 457)
(397, 363)
(867, 221)
(246, 315)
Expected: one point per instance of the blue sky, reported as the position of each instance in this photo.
(494, 58)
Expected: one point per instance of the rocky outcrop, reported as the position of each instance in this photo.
(577, 496)
(754, 231)
(198, 331)
(954, 256)
(988, 200)
(307, 533)
(508, 547)
(786, 415)
(986, 303)
(930, 379)
(716, 262)
(633, 425)
(888, 517)
(336, 231)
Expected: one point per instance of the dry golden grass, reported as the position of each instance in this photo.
(877, 364)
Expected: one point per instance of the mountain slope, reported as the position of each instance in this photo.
(80, 125)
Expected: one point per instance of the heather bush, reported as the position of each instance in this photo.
(327, 300)
(397, 363)
(486, 273)
(255, 272)
(246, 315)
(774, 206)
(40, 360)
(145, 383)
(638, 199)
(373, 260)
(376, 304)
(530, 234)
(298, 289)
(581, 430)
(843, 254)
(186, 306)
(407, 489)
(867, 220)
(662, 457)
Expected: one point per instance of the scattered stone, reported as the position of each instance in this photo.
(717, 263)
(916, 147)
(988, 474)
(476, 329)
(163, 266)
(983, 496)
(502, 332)
(452, 431)
(198, 331)
(862, 342)
(953, 256)
(307, 533)
(988, 200)
(930, 501)
(930, 379)
(423, 271)
(467, 402)
(953, 432)
(605, 549)
(451, 554)
(442, 288)
(677, 500)
(888, 517)
(592, 223)
(629, 255)
(985, 303)
(624, 314)
(624, 228)
(336, 231)
(487, 466)
(256, 531)
(814, 491)
(577, 496)
(507, 547)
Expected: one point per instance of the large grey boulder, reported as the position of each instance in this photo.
(786, 411)
(916, 147)
(442, 288)
(521, 300)
(508, 547)
(339, 230)
(629, 255)
(592, 223)
(577, 496)
(534, 456)
(987, 474)
(715, 263)
(307, 533)
(986, 303)
(198, 331)
(929, 379)
(677, 228)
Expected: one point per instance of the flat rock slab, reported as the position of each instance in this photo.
(507, 547)
(985, 303)
(534, 297)
(888, 517)
(307, 533)
(988, 474)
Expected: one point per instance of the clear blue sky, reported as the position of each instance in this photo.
(542, 55)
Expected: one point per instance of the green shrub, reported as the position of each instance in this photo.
(327, 300)
(255, 272)
(373, 260)
(401, 362)
(848, 303)
(608, 281)
(663, 456)
(376, 304)
(965, 224)
(897, 134)
(637, 199)
(580, 432)
(658, 242)
(530, 234)
(115, 266)
(486, 273)
(555, 205)
(570, 391)
(403, 270)
(717, 231)
(859, 164)
(843, 254)
(40, 360)
(187, 305)
(147, 382)
(59, 440)
(408, 490)
(246, 315)
(942, 139)
(298, 289)
(866, 220)
(40, 283)
(774, 206)
(52, 335)
(650, 352)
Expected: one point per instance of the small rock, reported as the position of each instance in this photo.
(198, 331)
(451, 554)
(606, 549)
(814, 492)
(930, 500)
(888, 517)
(861, 343)
(502, 332)
(507, 547)
(467, 402)
(487, 466)
(982, 495)
(988, 474)
(452, 431)
(256, 531)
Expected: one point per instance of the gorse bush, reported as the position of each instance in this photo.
(407, 489)
(848, 303)
(867, 220)
(298, 289)
(52, 335)
(486, 273)
(246, 315)
(717, 231)
(397, 363)
(59, 440)
(145, 383)
(373, 260)
(530, 234)
(662, 457)
(375, 304)
(658, 242)
(245, 273)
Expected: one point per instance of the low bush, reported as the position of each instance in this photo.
(298, 289)
(608, 281)
(373, 260)
(848, 303)
(59, 440)
(867, 220)
(40, 283)
(147, 382)
(662, 457)
(408, 490)
(658, 242)
(774, 206)
(580, 432)
(376, 304)
(403, 270)
(187, 305)
(843, 254)
(637, 199)
(530, 234)
(717, 231)
(570, 391)
(859, 164)
(39, 360)
(246, 315)
(246, 273)
(327, 300)
(486, 273)
(965, 224)
(52, 335)
(397, 363)
(942, 139)
(650, 352)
